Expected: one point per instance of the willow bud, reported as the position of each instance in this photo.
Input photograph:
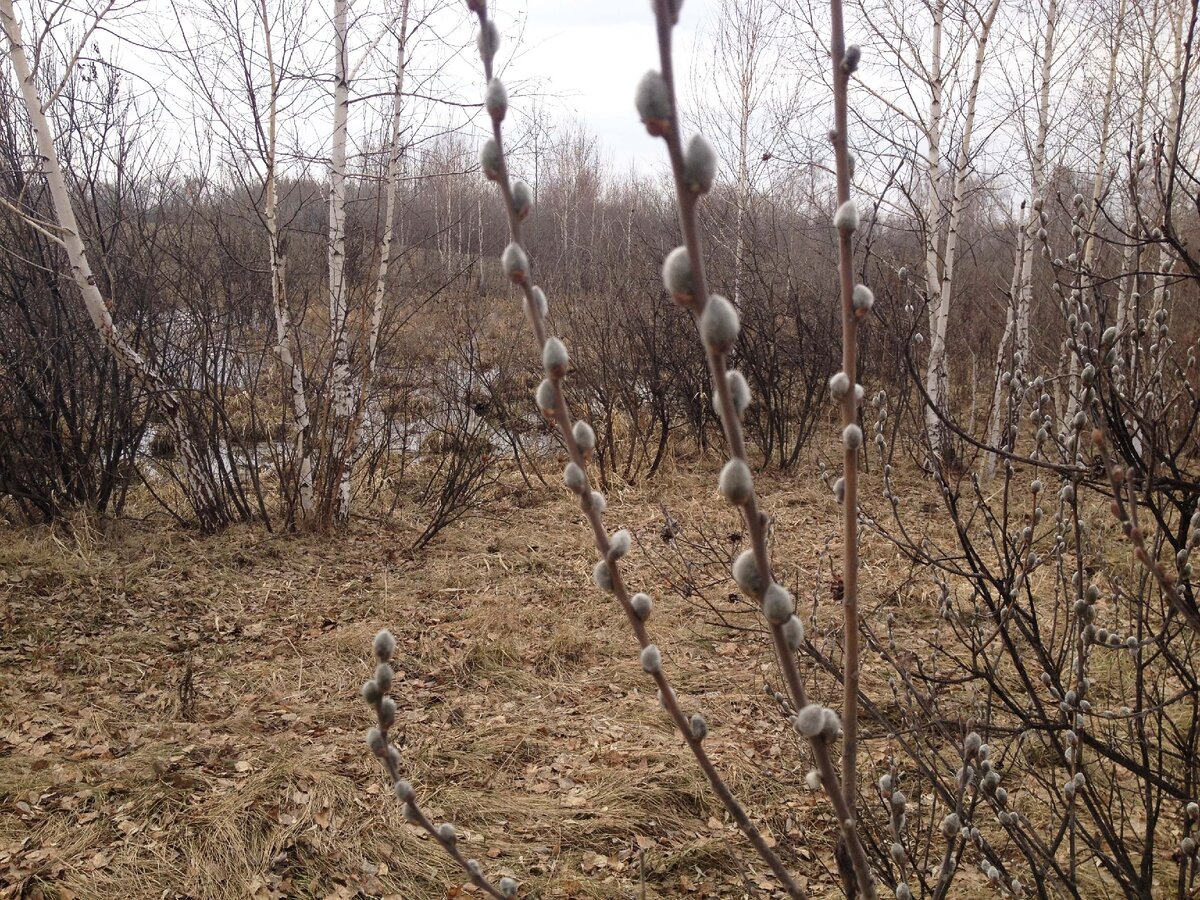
(651, 659)
(642, 605)
(376, 742)
(699, 165)
(522, 198)
(496, 100)
(384, 645)
(516, 263)
(491, 160)
(370, 693)
(547, 397)
(739, 393)
(793, 632)
(719, 324)
(851, 59)
(951, 825)
(736, 483)
(846, 217)
(810, 720)
(862, 299)
(602, 575)
(387, 712)
(831, 725)
(746, 574)
(618, 545)
(852, 436)
(555, 358)
(653, 102)
(585, 437)
(488, 41)
(383, 677)
(777, 604)
(575, 478)
(677, 276)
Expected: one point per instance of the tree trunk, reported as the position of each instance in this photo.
(937, 381)
(338, 308)
(385, 258)
(198, 483)
(292, 372)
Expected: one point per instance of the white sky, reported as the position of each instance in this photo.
(592, 55)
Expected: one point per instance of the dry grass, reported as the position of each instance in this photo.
(180, 715)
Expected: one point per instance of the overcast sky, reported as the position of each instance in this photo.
(593, 52)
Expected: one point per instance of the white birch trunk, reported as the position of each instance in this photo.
(292, 372)
(197, 481)
(937, 380)
(1037, 187)
(353, 451)
(1089, 249)
(996, 423)
(338, 307)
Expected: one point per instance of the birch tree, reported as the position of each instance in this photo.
(293, 373)
(940, 279)
(198, 480)
(379, 296)
(1016, 328)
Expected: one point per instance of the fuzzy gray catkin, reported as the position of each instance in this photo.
(488, 41)
(746, 574)
(810, 720)
(539, 302)
(546, 396)
(618, 544)
(653, 102)
(831, 725)
(384, 645)
(839, 386)
(375, 741)
(777, 604)
(490, 159)
(739, 393)
(496, 100)
(736, 483)
(585, 437)
(699, 165)
(651, 659)
(383, 677)
(852, 436)
(642, 605)
(575, 478)
(522, 195)
(851, 59)
(602, 575)
(516, 263)
(387, 711)
(862, 299)
(677, 276)
(846, 217)
(555, 358)
(719, 324)
(793, 632)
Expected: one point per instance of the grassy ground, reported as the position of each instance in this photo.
(178, 715)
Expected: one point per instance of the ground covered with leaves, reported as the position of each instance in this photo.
(179, 715)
